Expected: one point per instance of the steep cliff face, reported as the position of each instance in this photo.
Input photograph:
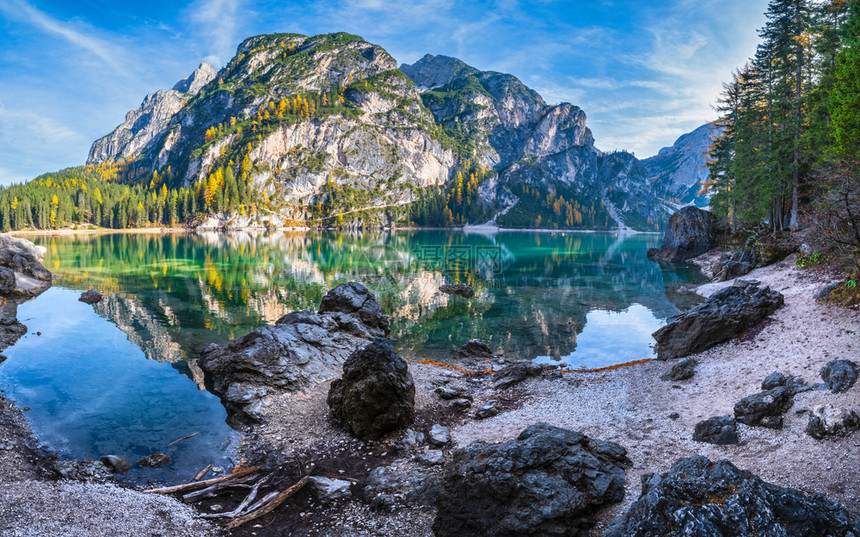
(541, 152)
(677, 171)
(327, 128)
(144, 126)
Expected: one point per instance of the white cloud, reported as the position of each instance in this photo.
(107, 52)
(216, 22)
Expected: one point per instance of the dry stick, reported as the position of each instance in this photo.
(217, 489)
(202, 473)
(183, 438)
(203, 484)
(240, 509)
(271, 506)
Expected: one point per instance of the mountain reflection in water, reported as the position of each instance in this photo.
(174, 294)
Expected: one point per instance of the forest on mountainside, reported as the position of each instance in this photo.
(789, 154)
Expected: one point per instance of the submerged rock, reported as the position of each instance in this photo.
(116, 463)
(700, 498)
(461, 289)
(725, 315)
(549, 481)
(300, 350)
(155, 460)
(376, 394)
(91, 296)
(10, 331)
(720, 430)
(827, 420)
(690, 232)
(839, 375)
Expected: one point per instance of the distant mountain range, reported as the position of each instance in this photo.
(331, 130)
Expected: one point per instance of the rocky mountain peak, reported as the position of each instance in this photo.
(199, 78)
(676, 171)
(435, 71)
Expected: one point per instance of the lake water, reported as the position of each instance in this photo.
(116, 377)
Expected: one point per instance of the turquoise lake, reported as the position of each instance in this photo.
(119, 377)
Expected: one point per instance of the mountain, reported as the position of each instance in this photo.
(327, 130)
(677, 171)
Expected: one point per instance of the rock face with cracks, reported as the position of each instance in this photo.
(301, 349)
(376, 394)
(725, 315)
(700, 498)
(548, 482)
(690, 232)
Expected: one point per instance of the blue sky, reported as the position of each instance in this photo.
(644, 72)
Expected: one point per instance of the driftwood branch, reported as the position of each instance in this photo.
(183, 438)
(218, 488)
(203, 484)
(202, 473)
(242, 508)
(270, 505)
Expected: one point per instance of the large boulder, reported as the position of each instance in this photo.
(690, 232)
(765, 408)
(700, 498)
(300, 350)
(376, 394)
(547, 482)
(839, 375)
(725, 315)
(23, 257)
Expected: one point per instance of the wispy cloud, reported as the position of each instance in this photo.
(109, 53)
(216, 21)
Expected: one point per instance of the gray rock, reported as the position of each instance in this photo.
(839, 375)
(10, 331)
(681, 370)
(449, 392)
(300, 350)
(515, 373)
(720, 430)
(438, 435)
(826, 290)
(116, 463)
(7, 282)
(376, 394)
(793, 384)
(461, 289)
(690, 232)
(23, 257)
(700, 498)
(431, 457)
(474, 349)
(547, 482)
(725, 315)
(328, 490)
(401, 483)
(674, 415)
(91, 296)
(155, 460)
(827, 420)
(773, 380)
(488, 409)
(765, 408)
(461, 403)
(89, 470)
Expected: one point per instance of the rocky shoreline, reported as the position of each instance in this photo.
(391, 486)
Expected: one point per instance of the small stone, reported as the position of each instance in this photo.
(674, 416)
(682, 370)
(839, 375)
(515, 373)
(116, 463)
(461, 404)
(217, 470)
(155, 460)
(488, 409)
(91, 296)
(720, 430)
(328, 490)
(449, 392)
(439, 435)
(431, 457)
